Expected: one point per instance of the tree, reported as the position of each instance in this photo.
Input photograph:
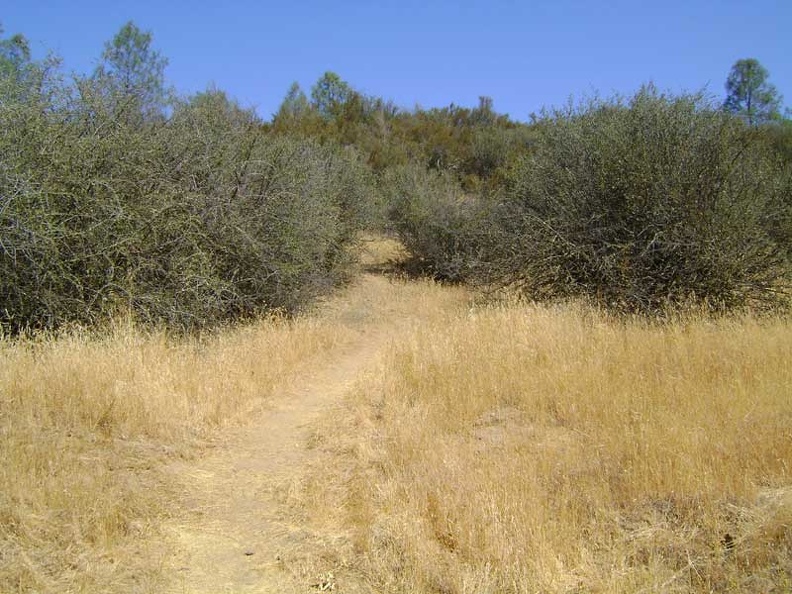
(295, 105)
(14, 55)
(15, 66)
(329, 94)
(133, 74)
(749, 94)
(646, 205)
(484, 114)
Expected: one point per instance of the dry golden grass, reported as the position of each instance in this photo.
(86, 423)
(534, 449)
(497, 449)
(379, 253)
(90, 420)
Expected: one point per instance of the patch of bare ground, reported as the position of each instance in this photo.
(239, 534)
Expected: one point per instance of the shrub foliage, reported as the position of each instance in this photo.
(117, 196)
(433, 218)
(189, 220)
(643, 204)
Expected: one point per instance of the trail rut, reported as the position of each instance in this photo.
(236, 532)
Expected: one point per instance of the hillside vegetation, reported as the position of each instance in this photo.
(588, 392)
(178, 212)
(119, 197)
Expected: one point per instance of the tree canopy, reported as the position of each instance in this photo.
(329, 93)
(132, 72)
(14, 53)
(14, 64)
(749, 94)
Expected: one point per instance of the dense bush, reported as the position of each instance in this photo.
(779, 137)
(433, 218)
(189, 221)
(114, 196)
(645, 204)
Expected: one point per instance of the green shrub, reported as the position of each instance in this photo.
(187, 222)
(433, 218)
(284, 235)
(642, 205)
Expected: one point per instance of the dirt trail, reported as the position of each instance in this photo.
(238, 533)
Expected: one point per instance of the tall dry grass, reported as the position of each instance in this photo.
(87, 421)
(535, 449)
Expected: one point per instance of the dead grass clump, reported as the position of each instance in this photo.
(526, 449)
(86, 422)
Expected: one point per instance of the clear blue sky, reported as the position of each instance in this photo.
(525, 55)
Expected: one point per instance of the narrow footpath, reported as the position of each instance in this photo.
(237, 531)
